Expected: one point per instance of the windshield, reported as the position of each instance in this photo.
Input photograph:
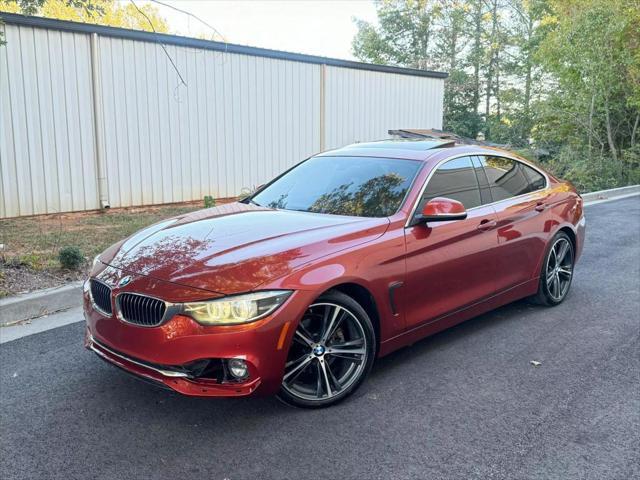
(356, 186)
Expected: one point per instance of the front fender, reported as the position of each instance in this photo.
(379, 267)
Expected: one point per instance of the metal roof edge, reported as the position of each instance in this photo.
(167, 39)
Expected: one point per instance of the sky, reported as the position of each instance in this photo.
(316, 27)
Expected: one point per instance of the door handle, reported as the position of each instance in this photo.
(487, 224)
(540, 206)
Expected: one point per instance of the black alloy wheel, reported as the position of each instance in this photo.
(332, 352)
(557, 271)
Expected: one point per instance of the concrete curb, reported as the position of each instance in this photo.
(611, 193)
(31, 305)
(42, 302)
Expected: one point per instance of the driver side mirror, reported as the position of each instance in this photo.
(441, 209)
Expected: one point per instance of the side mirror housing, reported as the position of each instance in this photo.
(441, 209)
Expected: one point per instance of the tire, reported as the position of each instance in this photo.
(332, 352)
(556, 277)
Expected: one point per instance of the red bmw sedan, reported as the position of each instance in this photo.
(346, 257)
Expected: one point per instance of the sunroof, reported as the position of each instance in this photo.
(418, 145)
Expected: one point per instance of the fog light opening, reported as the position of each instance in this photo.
(238, 368)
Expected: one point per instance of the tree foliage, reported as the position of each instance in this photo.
(405, 36)
(563, 74)
(101, 12)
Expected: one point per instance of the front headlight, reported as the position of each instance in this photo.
(237, 309)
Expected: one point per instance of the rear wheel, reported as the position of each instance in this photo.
(332, 352)
(557, 271)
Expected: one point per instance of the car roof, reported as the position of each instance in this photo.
(410, 149)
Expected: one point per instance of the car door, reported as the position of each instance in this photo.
(519, 196)
(450, 264)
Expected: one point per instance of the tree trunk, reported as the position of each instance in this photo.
(612, 145)
(593, 99)
(635, 129)
(477, 16)
(497, 92)
(452, 52)
(494, 27)
(528, 81)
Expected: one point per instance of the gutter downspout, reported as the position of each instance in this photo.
(98, 124)
(323, 77)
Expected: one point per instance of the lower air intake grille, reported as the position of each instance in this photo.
(101, 296)
(141, 310)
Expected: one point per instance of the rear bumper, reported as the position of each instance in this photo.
(580, 235)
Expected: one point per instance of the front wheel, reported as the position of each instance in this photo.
(557, 271)
(332, 352)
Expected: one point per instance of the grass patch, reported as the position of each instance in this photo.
(33, 243)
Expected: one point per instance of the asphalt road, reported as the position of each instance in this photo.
(465, 403)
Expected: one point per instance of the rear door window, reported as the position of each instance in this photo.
(485, 190)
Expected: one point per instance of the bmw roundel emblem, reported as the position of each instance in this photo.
(124, 281)
(318, 350)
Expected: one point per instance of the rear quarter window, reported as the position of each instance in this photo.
(510, 178)
(536, 179)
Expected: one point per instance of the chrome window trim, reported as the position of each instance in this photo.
(171, 309)
(94, 304)
(482, 153)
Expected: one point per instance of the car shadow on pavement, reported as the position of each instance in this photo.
(456, 335)
(177, 409)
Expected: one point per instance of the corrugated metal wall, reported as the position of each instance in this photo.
(47, 154)
(240, 120)
(364, 105)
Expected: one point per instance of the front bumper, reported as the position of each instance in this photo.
(160, 354)
(168, 377)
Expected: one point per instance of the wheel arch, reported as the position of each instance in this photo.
(365, 299)
(571, 234)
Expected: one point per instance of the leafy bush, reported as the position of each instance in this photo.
(595, 172)
(70, 257)
(209, 201)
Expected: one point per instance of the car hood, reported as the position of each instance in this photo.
(236, 247)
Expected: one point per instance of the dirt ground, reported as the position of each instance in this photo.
(29, 246)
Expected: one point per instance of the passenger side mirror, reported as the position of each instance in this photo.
(441, 209)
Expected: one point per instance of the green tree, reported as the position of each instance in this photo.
(101, 12)
(528, 31)
(452, 38)
(592, 107)
(426, 34)
(562, 73)
(33, 7)
(477, 50)
(404, 34)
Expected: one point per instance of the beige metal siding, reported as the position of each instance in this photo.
(240, 120)
(363, 105)
(47, 159)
